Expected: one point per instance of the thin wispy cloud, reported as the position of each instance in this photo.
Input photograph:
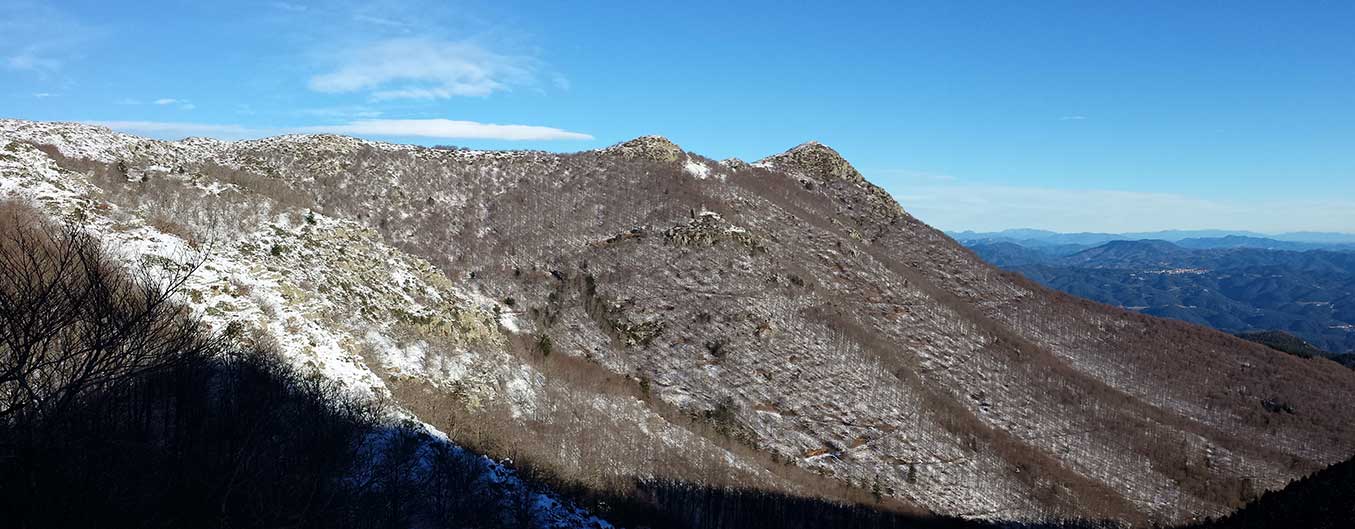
(406, 128)
(288, 6)
(449, 129)
(176, 129)
(1072, 118)
(343, 112)
(30, 59)
(380, 21)
(181, 104)
(425, 69)
(38, 38)
(560, 82)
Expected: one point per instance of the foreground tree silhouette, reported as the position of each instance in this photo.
(71, 322)
(117, 410)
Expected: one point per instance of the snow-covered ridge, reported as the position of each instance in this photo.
(97, 142)
(848, 339)
(329, 293)
(323, 291)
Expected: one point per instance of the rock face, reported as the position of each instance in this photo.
(708, 229)
(816, 164)
(817, 160)
(327, 294)
(656, 148)
(784, 326)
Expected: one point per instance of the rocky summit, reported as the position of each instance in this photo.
(639, 319)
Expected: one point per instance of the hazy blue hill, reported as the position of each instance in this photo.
(1130, 254)
(1176, 235)
(1310, 294)
(1318, 237)
(1201, 239)
(1004, 253)
(1095, 238)
(1240, 241)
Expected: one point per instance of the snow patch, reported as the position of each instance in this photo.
(695, 168)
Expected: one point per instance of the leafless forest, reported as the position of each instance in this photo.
(654, 331)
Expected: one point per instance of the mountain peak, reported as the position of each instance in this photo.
(810, 291)
(652, 147)
(816, 160)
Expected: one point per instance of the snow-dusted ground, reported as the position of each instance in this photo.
(845, 368)
(320, 289)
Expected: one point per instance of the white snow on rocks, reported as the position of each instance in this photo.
(696, 168)
(319, 291)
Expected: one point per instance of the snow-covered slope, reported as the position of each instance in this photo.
(314, 287)
(642, 313)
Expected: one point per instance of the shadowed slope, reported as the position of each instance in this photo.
(809, 325)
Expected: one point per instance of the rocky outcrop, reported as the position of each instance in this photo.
(708, 228)
(815, 160)
(820, 165)
(656, 148)
(856, 345)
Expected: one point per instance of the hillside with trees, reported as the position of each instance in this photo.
(636, 334)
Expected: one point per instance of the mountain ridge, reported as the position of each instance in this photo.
(810, 320)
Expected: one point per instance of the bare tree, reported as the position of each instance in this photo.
(53, 281)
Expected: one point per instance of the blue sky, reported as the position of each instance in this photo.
(1071, 116)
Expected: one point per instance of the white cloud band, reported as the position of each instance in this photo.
(411, 128)
(450, 129)
(422, 68)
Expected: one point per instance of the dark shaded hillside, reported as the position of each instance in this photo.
(165, 426)
(1284, 341)
(118, 410)
(782, 327)
(732, 312)
(1323, 500)
(176, 428)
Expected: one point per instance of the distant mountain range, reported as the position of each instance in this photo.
(1236, 283)
(1304, 240)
